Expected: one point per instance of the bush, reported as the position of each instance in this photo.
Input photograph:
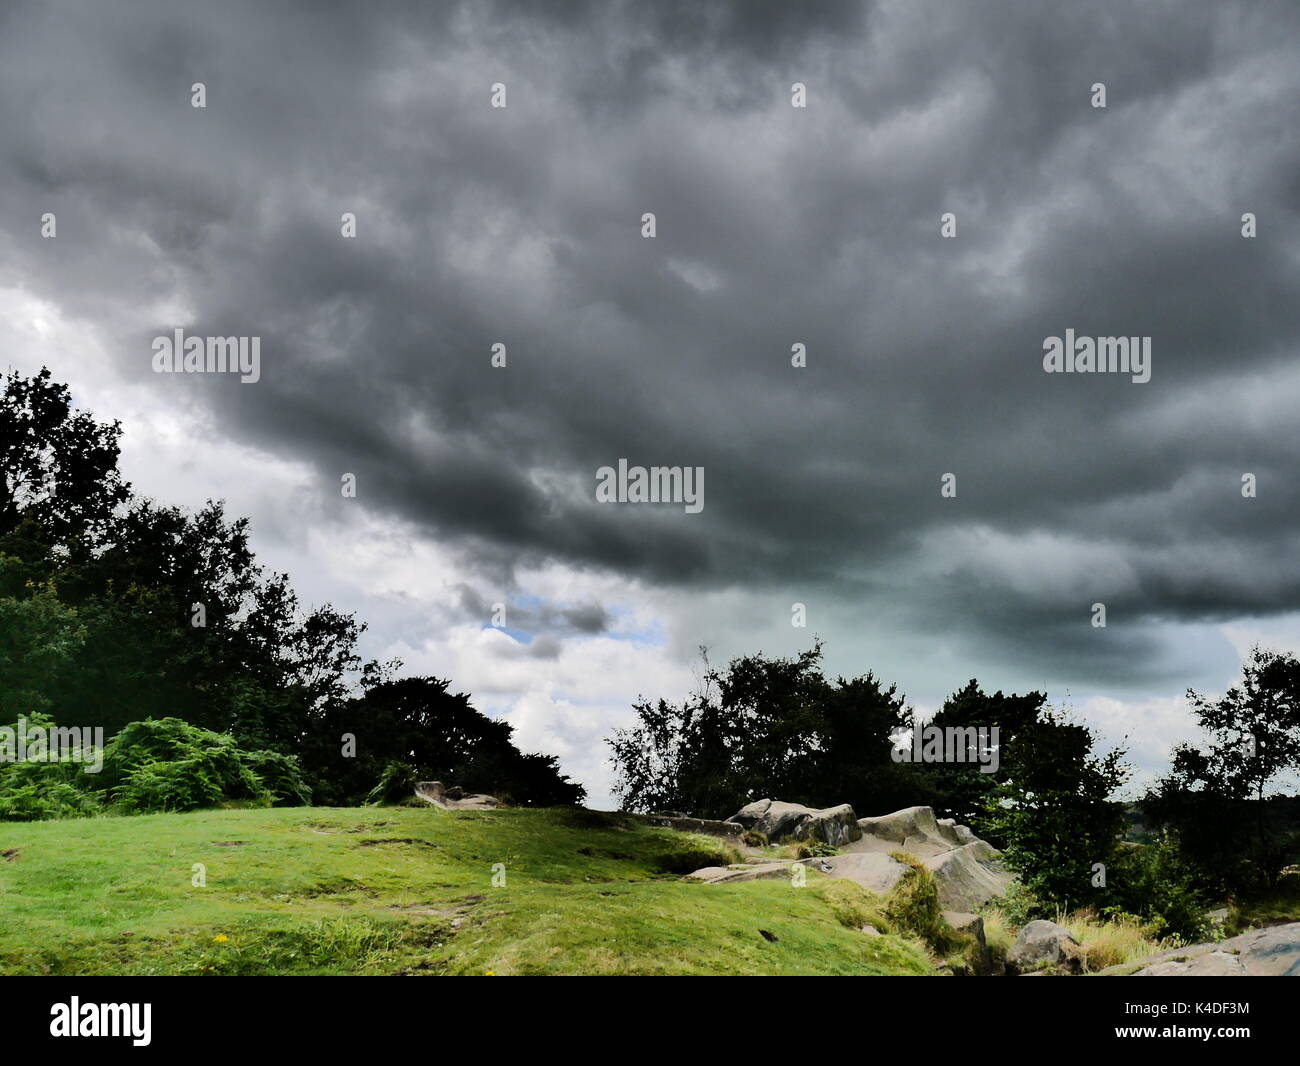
(281, 775)
(34, 791)
(753, 838)
(396, 783)
(1154, 883)
(912, 906)
(1019, 906)
(170, 765)
(815, 849)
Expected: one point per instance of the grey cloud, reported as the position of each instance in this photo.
(521, 226)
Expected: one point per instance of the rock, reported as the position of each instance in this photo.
(792, 821)
(917, 832)
(963, 922)
(961, 832)
(1211, 964)
(762, 871)
(1044, 943)
(969, 876)
(870, 930)
(967, 871)
(972, 925)
(454, 799)
(874, 871)
(1271, 952)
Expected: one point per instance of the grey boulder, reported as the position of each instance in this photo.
(780, 821)
(1043, 943)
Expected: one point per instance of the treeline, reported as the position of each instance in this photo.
(116, 611)
(778, 727)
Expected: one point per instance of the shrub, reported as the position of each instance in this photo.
(37, 791)
(281, 775)
(753, 838)
(1154, 883)
(396, 782)
(170, 765)
(34, 791)
(815, 849)
(912, 906)
(1019, 906)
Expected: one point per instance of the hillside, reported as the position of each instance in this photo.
(403, 890)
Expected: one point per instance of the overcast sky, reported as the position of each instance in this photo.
(775, 225)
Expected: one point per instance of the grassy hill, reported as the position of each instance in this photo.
(410, 891)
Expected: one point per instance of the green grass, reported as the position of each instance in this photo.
(404, 890)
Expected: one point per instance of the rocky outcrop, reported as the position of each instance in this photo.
(792, 821)
(917, 831)
(969, 876)
(759, 871)
(1271, 952)
(873, 870)
(453, 799)
(967, 871)
(1041, 944)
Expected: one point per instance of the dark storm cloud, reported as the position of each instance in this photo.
(776, 225)
(584, 619)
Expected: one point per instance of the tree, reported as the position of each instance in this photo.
(764, 727)
(416, 723)
(144, 612)
(39, 639)
(1054, 812)
(962, 790)
(1220, 799)
(59, 466)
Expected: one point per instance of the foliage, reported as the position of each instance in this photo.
(1054, 813)
(962, 790)
(281, 775)
(142, 611)
(1156, 885)
(1219, 799)
(169, 765)
(913, 908)
(57, 467)
(434, 735)
(764, 727)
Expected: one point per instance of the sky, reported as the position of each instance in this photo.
(774, 226)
